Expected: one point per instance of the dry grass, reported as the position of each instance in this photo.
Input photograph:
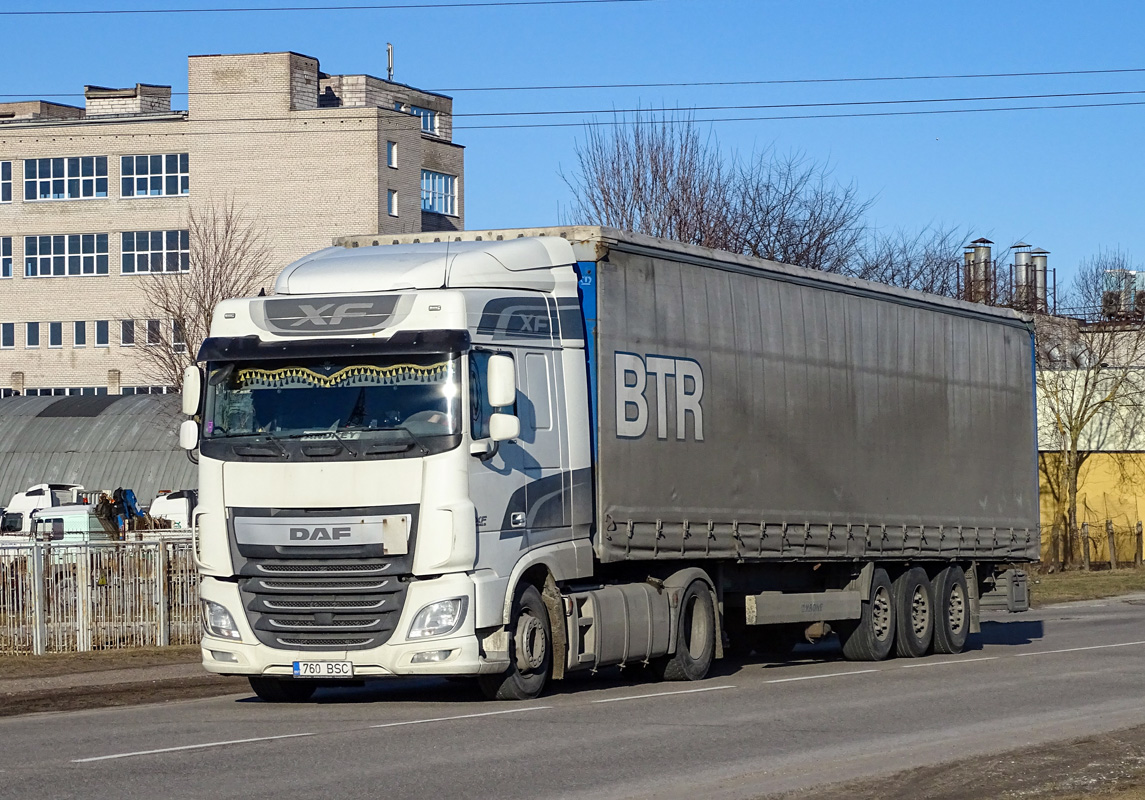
(1060, 587)
(52, 664)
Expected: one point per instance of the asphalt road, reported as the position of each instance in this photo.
(749, 730)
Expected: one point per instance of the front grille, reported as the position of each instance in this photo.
(325, 568)
(346, 643)
(293, 585)
(316, 605)
(319, 597)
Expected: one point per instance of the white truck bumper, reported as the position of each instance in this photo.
(459, 652)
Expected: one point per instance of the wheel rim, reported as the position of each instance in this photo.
(531, 643)
(881, 614)
(919, 612)
(956, 609)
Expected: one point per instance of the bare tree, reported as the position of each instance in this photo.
(929, 261)
(1090, 388)
(663, 177)
(229, 257)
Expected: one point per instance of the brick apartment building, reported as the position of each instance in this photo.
(94, 200)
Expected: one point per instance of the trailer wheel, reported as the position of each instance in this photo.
(695, 637)
(952, 604)
(873, 637)
(530, 649)
(915, 609)
(282, 690)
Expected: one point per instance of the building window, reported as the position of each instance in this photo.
(438, 192)
(101, 337)
(7, 335)
(153, 328)
(178, 340)
(392, 154)
(79, 338)
(392, 202)
(65, 178)
(5, 256)
(127, 333)
(32, 334)
(55, 334)
(154, 176)
(5, 181)
(156, 251)
(60, 256)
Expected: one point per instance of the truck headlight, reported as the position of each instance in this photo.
(440, 618)
(217, 621)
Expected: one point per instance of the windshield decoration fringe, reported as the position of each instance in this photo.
(364, 374)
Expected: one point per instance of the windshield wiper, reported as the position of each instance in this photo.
(341, 441)
(414, 439)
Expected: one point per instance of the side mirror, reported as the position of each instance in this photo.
(502, 380)
(189, 434)
(503, 427)
(192, 390)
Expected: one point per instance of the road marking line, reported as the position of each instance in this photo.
(1078, 649)
(459, 716)
(189, 747)
(828, 675)
(952, 661)
(662, 694)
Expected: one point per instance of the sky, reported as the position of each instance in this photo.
(1066, 179)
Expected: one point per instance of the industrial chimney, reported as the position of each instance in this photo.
(978, 268)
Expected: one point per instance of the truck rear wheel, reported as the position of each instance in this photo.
(530, 650)
(281, 690)
(952, 607)
(695, 637)
(873, 637)
(915, 611)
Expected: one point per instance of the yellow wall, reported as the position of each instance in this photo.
(1110, 486)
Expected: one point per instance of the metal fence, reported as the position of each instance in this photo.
(97, 596)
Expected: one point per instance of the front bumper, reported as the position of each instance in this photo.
(395, 657)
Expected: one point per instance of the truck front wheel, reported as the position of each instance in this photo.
(530, 650)
(695, 637)
(282, 690)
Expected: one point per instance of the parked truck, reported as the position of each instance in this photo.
(518, 454)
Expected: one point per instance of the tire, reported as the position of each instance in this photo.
(952, 606)
(914, 603)
(695, 637)
(282, 690)
(530, 650)
(872, 638)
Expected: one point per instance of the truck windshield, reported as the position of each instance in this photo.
(342, 398)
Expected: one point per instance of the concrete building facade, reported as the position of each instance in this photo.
(95, 200)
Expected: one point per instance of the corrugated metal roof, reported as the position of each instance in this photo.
(133, 442)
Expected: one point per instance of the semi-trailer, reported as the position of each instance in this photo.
(517, 454)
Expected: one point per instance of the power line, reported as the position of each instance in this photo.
(279, 9)
(761, 107)
(600, 123)
(790, 81)
(366, 110)
(21, 132)
(676, 84)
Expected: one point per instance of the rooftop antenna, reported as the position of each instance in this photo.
(389, 62)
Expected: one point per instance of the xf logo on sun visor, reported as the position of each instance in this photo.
(678, 388)
(352, 314)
